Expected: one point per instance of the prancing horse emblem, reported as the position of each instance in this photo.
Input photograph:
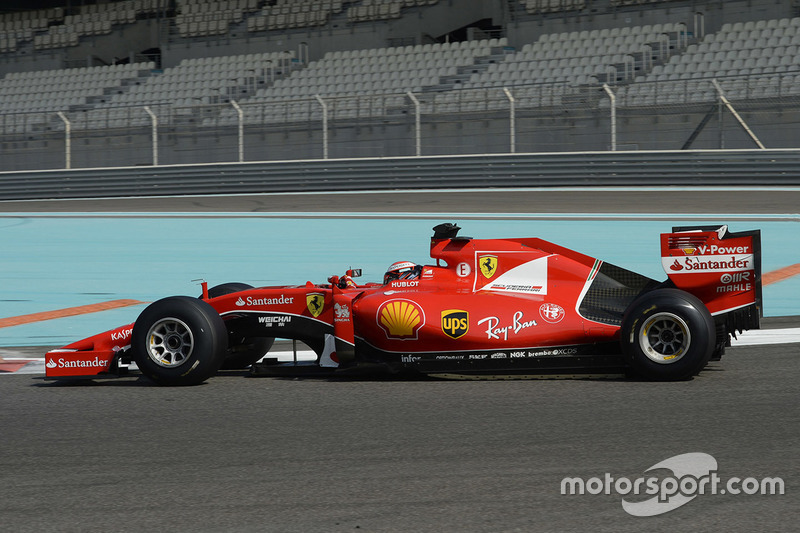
(316, 303)
(488, 264)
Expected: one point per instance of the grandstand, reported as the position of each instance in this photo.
(111, 81)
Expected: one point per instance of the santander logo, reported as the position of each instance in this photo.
(97, 362)
(701, 264)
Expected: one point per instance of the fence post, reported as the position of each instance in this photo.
(512, 119)
(67, 139)
(699, 28)
(154, 120)
(417, 135)
(241, 129)
(736, 115)
(613, 99)
(324, 125)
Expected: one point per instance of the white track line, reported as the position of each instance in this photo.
(757, 337)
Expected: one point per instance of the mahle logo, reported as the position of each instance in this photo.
(455, 323)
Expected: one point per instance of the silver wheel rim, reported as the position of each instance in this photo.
(665, 338)
(170, 342)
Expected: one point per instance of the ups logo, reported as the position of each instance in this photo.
(455, 323)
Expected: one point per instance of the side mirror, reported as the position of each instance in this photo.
(354, 272)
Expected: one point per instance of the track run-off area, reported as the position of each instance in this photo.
(261, 454)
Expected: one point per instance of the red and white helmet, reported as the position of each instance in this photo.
(402, 270)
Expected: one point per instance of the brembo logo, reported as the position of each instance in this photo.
(400, 319)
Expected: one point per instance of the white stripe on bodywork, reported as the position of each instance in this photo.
(528, 278)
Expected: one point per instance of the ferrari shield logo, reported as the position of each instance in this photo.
(316, 303)
(488, 264)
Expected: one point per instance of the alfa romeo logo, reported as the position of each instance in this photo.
(552, 313)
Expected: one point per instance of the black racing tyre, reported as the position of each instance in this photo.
(227, 288)
(179, 341)
(667, 335)
(242, 351)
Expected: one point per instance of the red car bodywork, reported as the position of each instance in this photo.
(491, 306)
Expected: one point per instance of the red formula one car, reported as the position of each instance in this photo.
(494, 307)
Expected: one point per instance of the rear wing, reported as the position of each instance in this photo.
(720, 267)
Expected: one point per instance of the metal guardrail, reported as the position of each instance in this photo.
(658, 168)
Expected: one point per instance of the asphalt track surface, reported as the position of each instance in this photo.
(262, 454)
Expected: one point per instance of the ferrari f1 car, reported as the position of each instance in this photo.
(485, 308)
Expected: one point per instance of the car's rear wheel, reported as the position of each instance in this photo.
(179, 341)
(242, 351)
(667, 334)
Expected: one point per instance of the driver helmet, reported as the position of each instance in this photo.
(402, 270)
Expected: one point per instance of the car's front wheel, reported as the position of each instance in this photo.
(667, 334)
(179, 341)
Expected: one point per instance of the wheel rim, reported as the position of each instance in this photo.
(665, 338)
(169, 342)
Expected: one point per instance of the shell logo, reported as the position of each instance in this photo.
(400, 319)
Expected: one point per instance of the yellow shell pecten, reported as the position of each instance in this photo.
(400, 318)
